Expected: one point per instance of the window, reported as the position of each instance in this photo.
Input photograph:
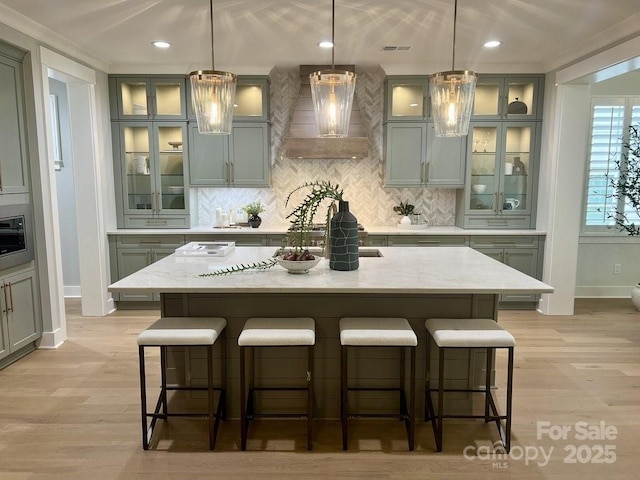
(610, 121)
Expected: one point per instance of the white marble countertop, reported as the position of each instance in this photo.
(281, 229)
(454, 270)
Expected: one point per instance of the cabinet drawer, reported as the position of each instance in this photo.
(242, 240)
(377, 240)
(427, 241)
(515, 221)
(155, 222)
(502, 241)
(150, 241)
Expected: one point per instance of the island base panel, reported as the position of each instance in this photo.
(368, 366)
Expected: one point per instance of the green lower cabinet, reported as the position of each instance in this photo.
(376, 241)
(20, 322)
(524, 260)
(427, 241)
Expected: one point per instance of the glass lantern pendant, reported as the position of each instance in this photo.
(452, 96)
(332, 95)
(213, 95)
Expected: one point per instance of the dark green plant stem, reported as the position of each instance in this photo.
(263, 265)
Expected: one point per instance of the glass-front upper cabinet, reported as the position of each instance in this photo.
(508, 98)
(406, 98)
(154, 168)
(150, 98)
(251, 102)
(501, 166)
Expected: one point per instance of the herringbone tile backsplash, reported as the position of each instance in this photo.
(362, 180)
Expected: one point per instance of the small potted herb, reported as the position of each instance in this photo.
(404, 209)
(253, 209)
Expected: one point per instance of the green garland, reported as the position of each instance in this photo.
(263, 265)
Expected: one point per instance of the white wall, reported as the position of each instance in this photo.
(66, 192)
(599, 254)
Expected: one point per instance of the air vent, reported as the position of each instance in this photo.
(393, 48)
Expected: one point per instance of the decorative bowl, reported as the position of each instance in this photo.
(478, 188)
(176, 189)
(176, 145)
(298, 266)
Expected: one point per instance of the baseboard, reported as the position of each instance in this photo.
(72, 291)
(52, 340)
(604, 292)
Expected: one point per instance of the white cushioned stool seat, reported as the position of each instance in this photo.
(468, 332)
(171, 331)
(375, 331)
(265, 332)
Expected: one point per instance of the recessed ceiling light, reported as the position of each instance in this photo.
(326, 44)
(493, 44)
(161, 44)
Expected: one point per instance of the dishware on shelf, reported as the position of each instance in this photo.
(298, 266)
(175, 145)
(141, 165)
(508, 168)
(176, 189)
(478, 188)
(511, 204)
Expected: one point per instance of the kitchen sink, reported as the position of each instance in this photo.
(362, 252)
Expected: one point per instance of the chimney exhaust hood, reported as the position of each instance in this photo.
(302, 140)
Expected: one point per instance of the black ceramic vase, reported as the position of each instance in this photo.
(254, 220)
(343, 240)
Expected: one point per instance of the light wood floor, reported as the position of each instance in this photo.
(73, 413)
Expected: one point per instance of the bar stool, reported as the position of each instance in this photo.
(378, 332)
(274, 332)
(179, 332)
(448, 333)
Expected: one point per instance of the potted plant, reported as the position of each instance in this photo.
(341, 234)
(626, 187)
(253, 209)
(404, 209)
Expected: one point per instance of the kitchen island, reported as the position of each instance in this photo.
(415, 283)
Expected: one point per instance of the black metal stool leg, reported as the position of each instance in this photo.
(310, 397)
(412, 399)
(163, 376)
(223, 375)
(243, 400)
(487, 387)
(440, 399)
(344, 399)
(143, 398)
(212, 421)
(509, 400)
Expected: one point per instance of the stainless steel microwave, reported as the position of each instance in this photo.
(16, 239)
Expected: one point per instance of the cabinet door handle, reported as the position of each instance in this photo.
(153, 202)
(6, 302)
(429, 242)
(147, 242)
(426, 172)
(232, 173)
(495, 196)
(226, 171)
(10, 297)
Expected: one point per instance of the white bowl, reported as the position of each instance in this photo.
(479, 188)
(298, 266)
(176, 189)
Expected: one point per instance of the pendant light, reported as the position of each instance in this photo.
(452, 95)
(332, 94)
(213, 94)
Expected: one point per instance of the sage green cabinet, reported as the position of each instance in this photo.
(502, 170)
(427, 241)
(240, 159)
(241, 240)
(151, 174)
(131, 253)
(251, 102)
(406, 98)
(13, 141)
(523, 253)
(155, 98)
(513, 97)
(20, 318)
(414, 156)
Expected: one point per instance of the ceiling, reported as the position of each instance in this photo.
(253, 36)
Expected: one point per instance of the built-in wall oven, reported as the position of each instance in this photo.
(16, 239)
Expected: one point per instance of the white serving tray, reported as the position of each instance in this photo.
(216, 249)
